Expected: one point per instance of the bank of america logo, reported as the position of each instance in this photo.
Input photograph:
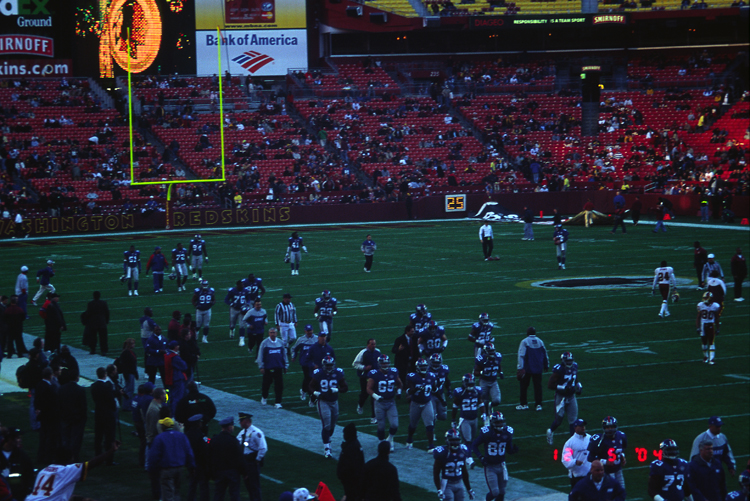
(252, 60)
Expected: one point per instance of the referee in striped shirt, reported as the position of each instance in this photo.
(286, 321)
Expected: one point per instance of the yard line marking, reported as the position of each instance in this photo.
(275, 481)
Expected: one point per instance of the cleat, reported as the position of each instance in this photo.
(549, 436)
(302, 395)
(161, 290)
(409, 446)
(739, 299)
(705, 360)
(390, 441)
(563, 266)
(242, 341)
(231, 334)
(130, 293)
(470, 462)
(710, 362)
(373, 420)
(327, 454)
(263, 401)
(559, 267)
(277, 406)
(538, 407)
(135, 293)
(359, 409)
(311, 403)
(661, 315)
(205, 339)
(33, 301)
(666, 314)
(522, 407)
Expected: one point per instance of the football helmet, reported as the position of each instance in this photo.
(436, 361)
(675, 297)
(421, 309)
(384, 362)
(421, 366)
(669, 449)
(708, 297)
(122, 279)
(744, 479)
(489, 349)
(484, 318)
(453, 439)
(329, 364)
(469, 381)
(172, 276)
(567, 359)
(609, 424)
(497, 421)
(431, 326)
(325, 295)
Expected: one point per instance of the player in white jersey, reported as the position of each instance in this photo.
(705, 324)
(664, 279)
(57, 482)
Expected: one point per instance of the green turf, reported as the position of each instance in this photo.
(644, 370)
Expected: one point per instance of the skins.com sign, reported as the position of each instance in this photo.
(252, 52)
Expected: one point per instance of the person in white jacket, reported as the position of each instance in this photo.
(575, 454)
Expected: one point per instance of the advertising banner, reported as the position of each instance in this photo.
(245, 14)
(36, 67)
(252, 52)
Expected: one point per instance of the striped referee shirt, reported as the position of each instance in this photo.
(285, 314)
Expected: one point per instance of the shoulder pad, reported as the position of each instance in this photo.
(372, 373)
(439, 449)
(509, 429)
(339, 370)
(595, 436)
(557, 367)
(411, 374)
(447, 369)
(333, 299)
(464, 448)
(485, 429)
(197, 290)
(479, 358)
(657, 462)
(490, 324)
(475, 325)
(316, 371)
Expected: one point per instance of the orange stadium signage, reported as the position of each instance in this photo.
(130, 27)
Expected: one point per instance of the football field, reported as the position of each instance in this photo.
(644, 370)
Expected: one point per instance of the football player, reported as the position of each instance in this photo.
(420, 318)
(742, 494)
(294, 252)
(157, 263)
(253, 287)
(131, 264)
(301, 350)
(204, 298)
(449, 470)
(179, 266)
(665, 280)
(487, 369)
(442, 386)
(235, 299)
(497, 439)
(560, 237)
(467, 403)
(609, 447)
(325, 309)
(705, 324)
(326, 385)
(432, 340)
(43, 278)
(668, 478)
(382, 384)
(481, 333)
(564, 380)
(419, 388)
(197, 252)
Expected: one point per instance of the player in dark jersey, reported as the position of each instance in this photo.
(235, 299)
(449, 470)
(419, 388)
(487, 369)
(325, 309)
(742, 494)
(442, 386)
(179, 266)
(204, 298)
(253, 287)
(420, 318)
(668, 478)
(564, 380)
(609, 447)
(197, 252)
(432, 340)
(326, 385)
(481, 333)
(497, 441)
(131, 264)
(467, 403)
(560, 237)
(382, 384)
(294, 252)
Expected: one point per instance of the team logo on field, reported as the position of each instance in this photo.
(252, 60)
(604, 283)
